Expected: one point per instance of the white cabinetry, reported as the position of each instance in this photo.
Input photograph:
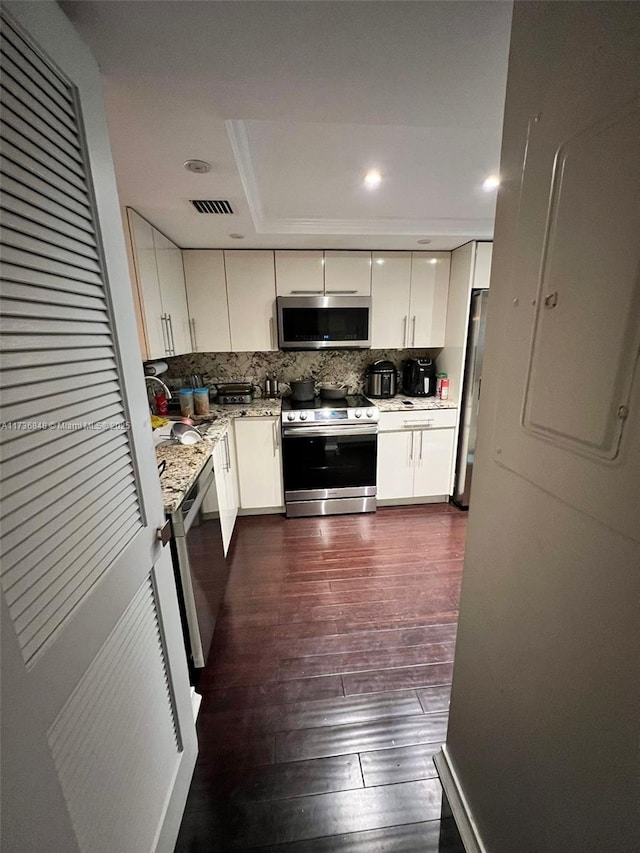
(390, 296)
(222, 497)
(207, 296)
(347, 273)
(251, 291)
(415, 454)
(299, 273)
(161, 289)
(259, 462)
(409, 299)
(482, 269)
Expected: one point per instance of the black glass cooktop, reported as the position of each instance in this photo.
(353, 401)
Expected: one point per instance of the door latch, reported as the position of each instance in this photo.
(163, 534)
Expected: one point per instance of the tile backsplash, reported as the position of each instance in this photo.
(344, 366)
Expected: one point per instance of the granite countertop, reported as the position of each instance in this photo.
(395, 404)
(185, 462)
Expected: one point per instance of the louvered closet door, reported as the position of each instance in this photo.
(100, 736)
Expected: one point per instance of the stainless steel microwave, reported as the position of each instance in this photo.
(324, 322)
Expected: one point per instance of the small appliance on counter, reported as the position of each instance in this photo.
(234, 392)
(381, 379)
(419, 377)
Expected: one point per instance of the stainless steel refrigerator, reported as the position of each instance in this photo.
(470, 401)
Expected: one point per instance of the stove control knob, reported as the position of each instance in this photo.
(291, 416)
(370, 413)
(303, 416)
(358, 413)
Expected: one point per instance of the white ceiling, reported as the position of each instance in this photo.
(291, 102)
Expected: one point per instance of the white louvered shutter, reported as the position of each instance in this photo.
(69, 495)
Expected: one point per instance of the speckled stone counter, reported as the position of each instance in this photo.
(185, 462)
(396, 404)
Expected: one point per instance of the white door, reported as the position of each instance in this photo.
(251, 289)
(259, 466)
(347, 273)
(207, 296)
(99, 739)
(433, 459)
(299, 273)
(173, 293)
(390, 287)
(429, 294)
(144, 258)
(395, 464)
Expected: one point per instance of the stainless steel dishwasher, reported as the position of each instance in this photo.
(201, 569)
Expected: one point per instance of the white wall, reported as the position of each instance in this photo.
(545, 714)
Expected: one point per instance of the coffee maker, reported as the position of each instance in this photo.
(419, 377)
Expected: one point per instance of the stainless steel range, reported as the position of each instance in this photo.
(329, 456)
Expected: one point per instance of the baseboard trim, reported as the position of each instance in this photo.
(458, 802)
(434, 499)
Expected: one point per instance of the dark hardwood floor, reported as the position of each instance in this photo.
(326, 693)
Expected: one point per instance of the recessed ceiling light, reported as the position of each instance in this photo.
(372, 179)
(433, 260)
(199, 166)
(379, 260)
(424, 242)
(237, 236)
(491, 183)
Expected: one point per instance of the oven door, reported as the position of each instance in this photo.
(321, 462)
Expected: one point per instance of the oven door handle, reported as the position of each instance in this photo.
(324, 432)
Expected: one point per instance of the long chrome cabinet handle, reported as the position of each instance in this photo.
(344, 292)
(272, 333)
(275, 438)
(417, 424)
(170, 325)
(315, 292)
(413, 330)
(194, 340)
(165, 334)
(404, 331)
(421, 439)
(411, 450)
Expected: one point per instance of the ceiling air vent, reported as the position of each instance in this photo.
(211, 206)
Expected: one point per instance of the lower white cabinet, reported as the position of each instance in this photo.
(222, 497)
(259, 462)
(415, 454)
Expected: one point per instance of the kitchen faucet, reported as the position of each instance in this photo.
(165, 390)
(167, 393)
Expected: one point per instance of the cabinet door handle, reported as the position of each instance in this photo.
(272, 333)
(411, 449)
(171, 338)
(417, 424)
(165, 334)
(194, 340)
(404, 331)
(345, 292)
(275, 438)
(421, 438)
(413, 330)
(310, 291)
(227, 452)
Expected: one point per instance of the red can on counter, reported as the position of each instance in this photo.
(442, 386)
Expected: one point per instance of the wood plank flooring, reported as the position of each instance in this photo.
(326, 692)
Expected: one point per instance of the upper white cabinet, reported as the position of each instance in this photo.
(428, 303)
(173, 293)
(251, 291)
(409, 299)
(347, 273)
(318, 273)
(390, 295)
(207, 296)
(482, 269)
(161, 288)
(299, 273)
